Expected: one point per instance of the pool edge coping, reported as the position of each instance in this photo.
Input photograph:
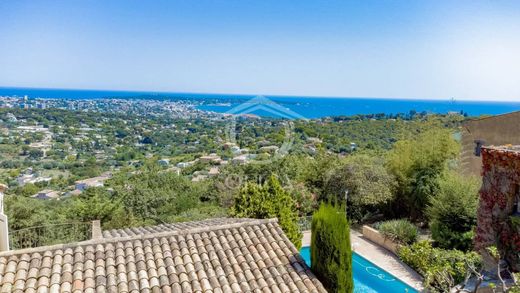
(306, 242)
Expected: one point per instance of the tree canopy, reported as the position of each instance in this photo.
(416, 164)
(366, 181)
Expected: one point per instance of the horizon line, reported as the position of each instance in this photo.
(159, 92)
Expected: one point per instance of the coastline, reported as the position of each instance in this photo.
(308, 107)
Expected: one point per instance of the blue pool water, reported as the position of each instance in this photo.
(368, 278)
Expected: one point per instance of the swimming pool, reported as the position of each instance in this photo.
(368, 278)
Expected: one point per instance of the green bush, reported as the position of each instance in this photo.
(453, 211)
(269, 200)
(516, 287)
(442, 269)
(401, 231)
(331, 255)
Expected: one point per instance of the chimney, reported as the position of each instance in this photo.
(96, 230)
(4, 232)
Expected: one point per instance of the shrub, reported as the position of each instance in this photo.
(516, 287)
(269, 200)
(401, 231)
(331, 255)
(442, 269)
(453, 211)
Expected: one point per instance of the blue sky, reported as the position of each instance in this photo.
(406, 49)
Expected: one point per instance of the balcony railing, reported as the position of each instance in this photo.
(49, 235)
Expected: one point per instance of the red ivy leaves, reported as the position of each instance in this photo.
(500, 167)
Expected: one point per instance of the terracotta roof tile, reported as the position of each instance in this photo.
(212, 256)
(171, 227)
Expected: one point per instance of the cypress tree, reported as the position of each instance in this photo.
(331, 253)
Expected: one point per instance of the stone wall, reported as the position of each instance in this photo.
(378, 238)
(497, 221)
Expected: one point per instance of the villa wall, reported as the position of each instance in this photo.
(494, 130)
(496, 215)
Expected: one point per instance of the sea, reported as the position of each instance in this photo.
(308, 107)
